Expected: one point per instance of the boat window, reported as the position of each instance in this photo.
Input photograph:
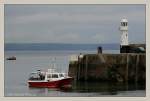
(54, 76)
(49, 76)
(61, 75)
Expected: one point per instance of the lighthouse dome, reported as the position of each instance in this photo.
(124, 20)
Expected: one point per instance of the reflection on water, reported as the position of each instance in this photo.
(110, 87)
(17, 72)
(92, 89)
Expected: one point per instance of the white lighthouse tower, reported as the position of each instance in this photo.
(124, 32)
(124, 45)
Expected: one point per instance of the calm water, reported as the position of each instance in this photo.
(16, 75)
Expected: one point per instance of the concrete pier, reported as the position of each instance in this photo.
(128, 66)
(124, 67)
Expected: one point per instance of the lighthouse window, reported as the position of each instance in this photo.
(124, 24)
(121, 23)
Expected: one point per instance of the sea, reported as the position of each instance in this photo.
(31, 57)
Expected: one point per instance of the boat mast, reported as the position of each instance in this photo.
(53, 64)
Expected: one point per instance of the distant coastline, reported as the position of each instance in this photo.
(57, 46)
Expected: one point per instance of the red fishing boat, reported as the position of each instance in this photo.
(50, 79)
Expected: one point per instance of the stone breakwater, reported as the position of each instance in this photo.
(124, 67)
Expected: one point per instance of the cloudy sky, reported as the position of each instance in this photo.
(72, 23)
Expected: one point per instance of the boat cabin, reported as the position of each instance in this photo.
(46, 75)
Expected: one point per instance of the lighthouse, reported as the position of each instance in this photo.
(124, 45)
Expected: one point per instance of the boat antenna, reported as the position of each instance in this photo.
(54, 63)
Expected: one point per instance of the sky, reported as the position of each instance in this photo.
(72, 23)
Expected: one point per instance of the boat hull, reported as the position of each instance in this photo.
(51, 84)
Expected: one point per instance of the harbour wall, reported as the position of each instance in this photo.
(124, 67)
